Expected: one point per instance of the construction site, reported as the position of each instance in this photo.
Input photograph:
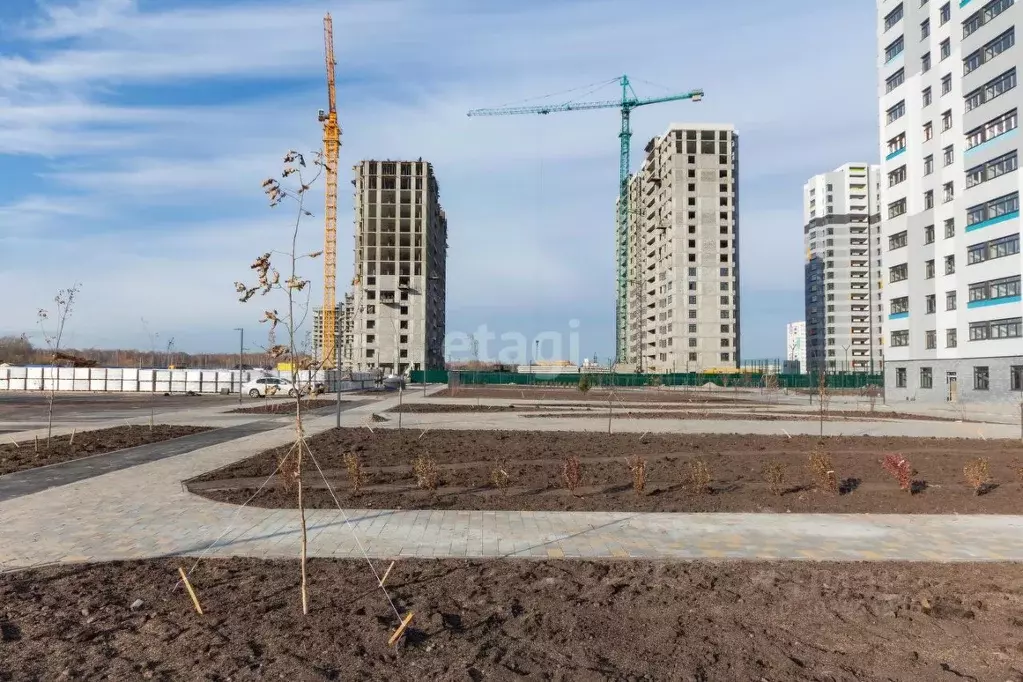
(680, 514)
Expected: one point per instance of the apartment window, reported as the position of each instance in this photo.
(896, 208)
(929, 269)
(1006, 163)
(994, 88)
(945, 14)
(948, 192)
(925, 29)
(992, 129)
(900, 377)
(989, 51)
(946, 48)
(1009, 328)
(925, 62)
(930, 339)
(897, 273)
(928, 199)
(894, 49)
(946, 120)
(899, 305)
(951, 340)
(896, 176)
(985, 14)
(900, 338)
(928, 163)
(992, 209)
(950, 228)
(893, 17)
(926, 378)
(929, 234)
(948, 155)
(950, 265)
(981, 378)
(898, 240)
(950, 300)
(896, 112)
(992, 290)
(930, 304)
(928, 131)
(897, 144)
(995, 248)
(1016, 378)
(926, 96)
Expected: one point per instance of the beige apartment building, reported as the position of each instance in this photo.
(394, 316)
(681, 285)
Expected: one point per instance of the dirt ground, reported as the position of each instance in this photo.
(731, 414)
(737, 473)
(31, 406)
(285, 407)
(516, 619)
(62, 449)
(625, 395)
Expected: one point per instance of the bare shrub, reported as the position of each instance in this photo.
(356, 476)
(572, 473)
(697, 477)
(584, 384)
(900, 469)
(774, 473)
(637, 466)
(822, 471)
(424, 467)
(500, 479)
(978, 474)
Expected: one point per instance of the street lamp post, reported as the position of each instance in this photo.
(337, 373)
(241, 355)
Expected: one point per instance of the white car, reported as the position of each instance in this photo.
(258, 387)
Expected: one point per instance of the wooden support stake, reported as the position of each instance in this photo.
(191, 592)
(401, 629)
(386, 573)
(14, 442)
(72, 441)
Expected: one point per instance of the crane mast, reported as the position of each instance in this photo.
(331, 147)
(626, 104)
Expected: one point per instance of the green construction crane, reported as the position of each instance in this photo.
(627, 103)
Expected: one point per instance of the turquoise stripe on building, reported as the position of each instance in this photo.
(894, 154)
(992, 221)
(963, 3)
(993, 301)
(898, 316)
(993, 139)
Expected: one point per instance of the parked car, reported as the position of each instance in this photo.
(257, 388)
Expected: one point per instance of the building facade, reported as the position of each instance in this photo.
(397, 300)
(681, 283)
(795, 344)
(316, 338)
(948, 114)
(841, 238)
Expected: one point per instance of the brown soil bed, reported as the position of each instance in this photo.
(534, 462)
(86, 443)
(595, 410)
(284, 407)
(517, 619)
(649, 395)
(747, 415)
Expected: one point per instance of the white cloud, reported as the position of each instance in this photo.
(179, 181)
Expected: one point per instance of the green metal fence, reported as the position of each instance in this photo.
(808, 381)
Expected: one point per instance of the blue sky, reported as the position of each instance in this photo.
(134, 135)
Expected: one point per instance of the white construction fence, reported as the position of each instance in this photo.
(125, 380)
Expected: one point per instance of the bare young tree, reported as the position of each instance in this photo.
(152, 388)
(294, 188)
(64, 304)
(823, 396)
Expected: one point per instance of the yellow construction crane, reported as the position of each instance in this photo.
(331, 147)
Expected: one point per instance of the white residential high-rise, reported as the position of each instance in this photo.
(841, 278)
(397, 319)
(948, 109)
(682, 278)
(795, 344)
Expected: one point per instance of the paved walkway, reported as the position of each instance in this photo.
(142, 511)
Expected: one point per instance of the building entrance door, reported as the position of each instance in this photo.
(953, 386)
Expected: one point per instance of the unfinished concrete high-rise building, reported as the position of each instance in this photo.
(397, 318)
(681, 285)
(317, 333)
